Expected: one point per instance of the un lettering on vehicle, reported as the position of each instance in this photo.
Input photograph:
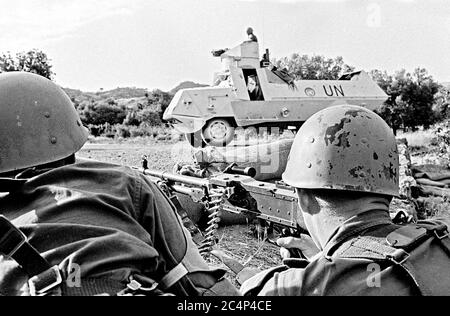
(334, 91)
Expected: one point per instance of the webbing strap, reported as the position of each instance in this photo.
(371, 248)
(14, 245)
(445, 243)
(46, 283)
(331, 247)
(44, 279)
(175, 275)
(93, 287)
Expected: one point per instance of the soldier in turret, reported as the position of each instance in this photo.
(251, 36)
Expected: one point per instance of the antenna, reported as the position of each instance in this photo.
(263, 32)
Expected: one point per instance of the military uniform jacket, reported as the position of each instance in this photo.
(103, 221)
(359, 260)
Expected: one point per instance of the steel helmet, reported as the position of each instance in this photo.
(345, 148)
(38, 122)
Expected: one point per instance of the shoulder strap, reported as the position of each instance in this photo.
(371, 248)
(44, 279)
(401, 244)
(173, 276)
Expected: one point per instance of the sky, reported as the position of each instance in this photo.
(105, 44)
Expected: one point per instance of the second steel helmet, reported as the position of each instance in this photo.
(345, 148)
(38, 122)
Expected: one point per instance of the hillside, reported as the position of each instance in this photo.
(127, 96)
(186, 85)
(115, 94)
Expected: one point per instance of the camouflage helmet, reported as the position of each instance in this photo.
(346, 148)
(39, 123)
(250, 31)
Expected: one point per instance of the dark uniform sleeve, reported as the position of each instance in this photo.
(279, 281)
(174, 243)
(158, 216)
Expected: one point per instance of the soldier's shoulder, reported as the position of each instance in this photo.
(106, 169)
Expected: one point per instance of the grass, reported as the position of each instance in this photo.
(434, 207)
(418, 139)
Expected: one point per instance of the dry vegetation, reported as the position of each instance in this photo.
(420, 139)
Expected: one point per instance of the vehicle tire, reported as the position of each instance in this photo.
(195, 140)
(218, 133)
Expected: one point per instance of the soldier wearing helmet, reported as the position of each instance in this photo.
(251, 36)
(345, 168)
(72, 227)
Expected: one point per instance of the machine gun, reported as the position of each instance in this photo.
(234, 191)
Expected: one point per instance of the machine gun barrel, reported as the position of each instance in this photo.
(167, 176)
(249, 172)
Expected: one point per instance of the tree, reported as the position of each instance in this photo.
(159, 101)
(103, 113)
(34, 61)
(314, 67)
(393, 109)
(411, 98)
(419, 95)
(151, 112)
(442, 103)
(7, 63)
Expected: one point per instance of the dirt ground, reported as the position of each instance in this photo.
(162, 155)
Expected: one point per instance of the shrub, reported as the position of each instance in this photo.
(99, 114)
(123, 131)
(126, 131)
(95, 130)
(137, 131)
(144, 116)
(132, 119)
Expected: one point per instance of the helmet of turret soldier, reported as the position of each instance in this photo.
(39, 123)
(346, 148)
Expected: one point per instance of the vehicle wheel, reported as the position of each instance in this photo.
(195, 140)
(218, 133)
